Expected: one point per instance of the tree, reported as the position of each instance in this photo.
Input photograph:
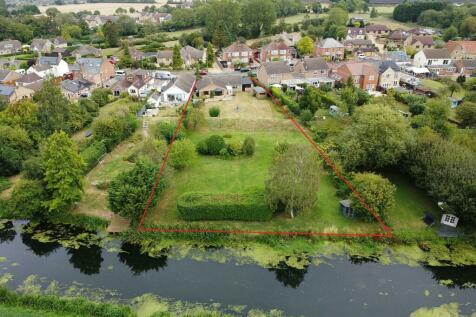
(15, 147)
(63, 172)
(258, 16)
(112, 129)
(23, 114)
(435, 116)
(69, 31)
(310, 99)
(166, 130)
(194, 119)
(466, 113)
(377, 138)
(101, 96)
(182, 154)
(3, 8)
(468, 27)
(111, 34)
(129, 192)
(305, 46)
(377, 192)
(177, 61)
(249, 145)
(210, 55)
(294, 180)
(373, 13)
(27, 199)
(450, 33)
(306, 116)
(214, 111)
(51, 12)
(222, 22)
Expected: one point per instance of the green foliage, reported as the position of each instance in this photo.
(149, 149)
(215, 143)
(202, 147)
(222, 22)
(210, 55)
(90, 106)
(194, 119)
(377, 191)
(249, 206)
(415, 103)
(166, 130)
(92, 154)
(249, 146)
(234, 148)
(373, 13)
(129, 191)
(15, 147)
(377, 138)
(214, 111)
(4, 183)
(114, 128)
(111, 34)
(466, 113)
(32, 168)
(306, 116)
(435, 116)
(446, 170)
(27, 199)
(294, 180)
(182, 154)
(63, 174)
(305, 46)
(310, 99)
(409, 12)
(450, 33)
(177, 61)
(23, 114)
(258, 16)
(101, 96)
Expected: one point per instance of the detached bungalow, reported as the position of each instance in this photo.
(179, 90)
(223, 84)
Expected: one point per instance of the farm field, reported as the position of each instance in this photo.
(104, 8)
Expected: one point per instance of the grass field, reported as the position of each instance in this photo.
(25, 312)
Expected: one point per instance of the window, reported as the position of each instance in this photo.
(244, 53)
(430, 62)
(235, 54)
(282, 52)
(274, 52)
(445, 62)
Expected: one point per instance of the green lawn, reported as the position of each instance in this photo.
(214, 174)
(24, 312)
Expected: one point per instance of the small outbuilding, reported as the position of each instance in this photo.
(259, 92)
(346, 209)
(448, 225)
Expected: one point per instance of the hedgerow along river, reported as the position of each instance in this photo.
(339, 287)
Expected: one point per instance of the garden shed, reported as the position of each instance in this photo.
(346, 209)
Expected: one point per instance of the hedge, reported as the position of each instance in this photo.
(248, 206)
(92, 154)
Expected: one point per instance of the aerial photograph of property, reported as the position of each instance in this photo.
(237, 158)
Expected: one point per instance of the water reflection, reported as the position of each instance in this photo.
(87, 259)
(138, 262)
(7, 233)
(37, 247)
(289, 276)
(461, 276)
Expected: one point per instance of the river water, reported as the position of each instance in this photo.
(340, 287)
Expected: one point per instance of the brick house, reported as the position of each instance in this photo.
(377, 30)
(364, 75)
(237, 52)
(277, 50)
(462, 49)
(419, 42)
(329, 49)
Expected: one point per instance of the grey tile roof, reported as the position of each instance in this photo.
(90, 65)
(48, 60)
(436, 53)
(223, 80)
(29, 78)
(315, 63)
(384, 65)
(330, 43)
(279, 67)
(75, 85)
(6, 90)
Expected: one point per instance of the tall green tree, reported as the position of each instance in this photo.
(15, 147)
(305, 46)
(435, 116)
(210, 55)
(3, 8)
(222, 22)
(294, 180)
(63, 174)
(111, 34)
(177, 61)
(466, 113)
(258, 16)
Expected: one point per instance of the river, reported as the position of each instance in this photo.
(339, 287)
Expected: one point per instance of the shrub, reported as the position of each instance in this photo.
(214, 144)
(214, 111)
(32, 168)
(90, 106)
(306, 116)
(92, 154)
(101, 96)
(166, 130)
(182, 154)
(281, 147)
(27, 199)
(235, 148)
(114, 129)
(202, 147)
(249, 146)
(4, 183)
(249, 206)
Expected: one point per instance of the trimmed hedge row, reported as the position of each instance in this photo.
(249, 206)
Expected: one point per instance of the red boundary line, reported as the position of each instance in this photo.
(140, 228)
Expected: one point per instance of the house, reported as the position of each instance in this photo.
(400, 57)
(191, 56)
(465, 67)
(10, 47)
(419, 42)
(95, 21)
(223, 84)
(136, 55)
(364, 75)
(86, 51)
(164, 57)
(330, 49)
(270, 73)
(396, 39)
(53, 66)
(41, 46)
(389, 75)
(154, 100)
(237, 53)
(161, 17)
(290, 39)
(9, 77)
(14, 93)
(423, 31)
(29, 79)
(312, 67)
(462, 49)
(9, 63)
(178, 91)
(75, 89)
(360, 46)
(59, 42)
(377, 30)
(355, 33)
(94, 70)
(274, 51)
(436, 60)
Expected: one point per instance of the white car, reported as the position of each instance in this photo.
(361, 55)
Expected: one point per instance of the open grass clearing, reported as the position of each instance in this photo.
(104, 8)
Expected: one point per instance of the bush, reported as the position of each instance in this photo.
(306, 116)
(27, 199)
(114, 129)
(32, 168)
(214, 144)
(235, 148)
(249, 206)
(4, 183)
(182, 154)
(92, 154)
(166, 130)
(202, 147)
(214, 111)
(101, 96)
(249, 146)
(90, 106)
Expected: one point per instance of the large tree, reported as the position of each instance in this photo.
(222, 22)
(435, 116)
(258, 16)
(63, 174)
(305, 46)
(177, 61)
(466, 113)
(15, 146)
(377, 192)
(377, 138)
(111, 34)
(294, 180)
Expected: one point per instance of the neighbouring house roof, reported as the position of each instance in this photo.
(191, 53)
(356, 31)
(237, 47)
(183, 81)
(85, 50)
(90, 65)
(397, 56)
(279, 67)
(35, 86)
(29, 78)
(6, 91)
(75, 86)
(38, 44)
(10, 44)
(398, 35)
(358, 42)
(469, 63)
(468, 46)
(6, 75)
(48, 60)
(384, 65)
(275, 45)
(423, 39)
(359, 69)
(223, 80)
(59, 41)
(167, 54)
(376, 28)
(314, 63)
(436, 53)
(330, 43)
